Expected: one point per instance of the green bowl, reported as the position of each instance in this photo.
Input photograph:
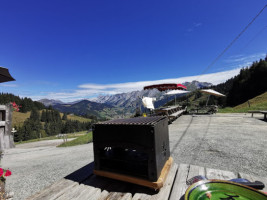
(222, 190)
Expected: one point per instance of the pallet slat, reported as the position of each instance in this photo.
(195, 171)
(164, 192)
(119, 196)
(219, 174)
(54, 191)
(154, 185)
(179, 186)
(101, 188)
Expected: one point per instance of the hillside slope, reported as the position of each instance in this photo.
(89, 108)
(18, 118)
(256, 103)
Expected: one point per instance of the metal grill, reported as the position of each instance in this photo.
(136, 146)
(134, 121)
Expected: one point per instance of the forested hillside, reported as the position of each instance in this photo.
(42, 121)
(25, 104)
(249, 83)
(49, 123)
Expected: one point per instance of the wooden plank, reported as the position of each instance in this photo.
(107, 185)
(119, 196)
(141, 196)
(72, 193)
(179, 186)
(89, 193)
(54, 191)
(155, 185)
(60, 187)
(165, 191)
(254, 178)
(112, 186)
(81, 192)
(195, 171)
(176, 114)
(219, 174)
(81, 174)
(97, 182)
(103, 196)
(145, 193)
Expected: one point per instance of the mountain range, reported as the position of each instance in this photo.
(118, 105)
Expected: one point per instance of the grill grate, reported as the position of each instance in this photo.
(134, 121)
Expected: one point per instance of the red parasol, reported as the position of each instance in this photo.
(166, 86)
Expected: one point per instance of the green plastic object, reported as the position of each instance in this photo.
(222, 190)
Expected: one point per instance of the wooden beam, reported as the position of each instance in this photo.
(154, 185)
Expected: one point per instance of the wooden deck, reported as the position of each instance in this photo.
(83, 184)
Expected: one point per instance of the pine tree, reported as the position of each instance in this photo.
(32, 127)
(48, 116)
(35, 115)
(64, 117)
(43, 116)
(18, 136)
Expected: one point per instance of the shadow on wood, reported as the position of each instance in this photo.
(85, 176)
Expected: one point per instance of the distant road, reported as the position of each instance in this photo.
(43, 143)
(39, 164)
(233, 142)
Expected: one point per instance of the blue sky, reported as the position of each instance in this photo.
(70, 50)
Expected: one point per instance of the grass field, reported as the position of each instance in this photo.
(75, 117)
(257, 103)
(83, 139)
(70, 135)
(18, 118)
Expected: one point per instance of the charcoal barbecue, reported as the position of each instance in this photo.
(136, 147)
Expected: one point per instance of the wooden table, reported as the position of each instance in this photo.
(83, 184)
(172, 112)
(264, 112)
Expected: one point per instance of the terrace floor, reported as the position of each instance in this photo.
(230, 142)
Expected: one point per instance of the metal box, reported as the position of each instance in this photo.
(137, 147)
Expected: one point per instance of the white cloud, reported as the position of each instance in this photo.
(8, 85)
(194, 26)
(91, 90)
(243, 60)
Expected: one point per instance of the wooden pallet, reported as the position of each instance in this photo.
(154, 185)
(83, 184)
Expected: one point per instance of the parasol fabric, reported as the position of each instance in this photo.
(213, 92)
(173, 92)
(5, 75)
(166, 86)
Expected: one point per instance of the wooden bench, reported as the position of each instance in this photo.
(176, 114)
(264, 112)
(172, 112)
(83, 184)
(210, 109)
